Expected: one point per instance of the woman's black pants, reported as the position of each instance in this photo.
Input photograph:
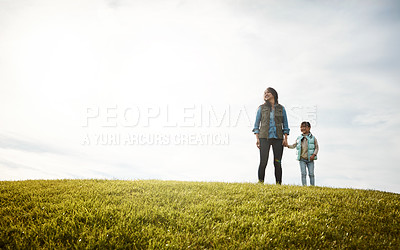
(277, 148)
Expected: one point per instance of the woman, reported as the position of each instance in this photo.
(271, 128)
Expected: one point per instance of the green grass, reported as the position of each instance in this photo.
(182, 215)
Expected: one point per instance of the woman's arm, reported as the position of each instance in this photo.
(258, 141)
(256, 128)
(286, 128)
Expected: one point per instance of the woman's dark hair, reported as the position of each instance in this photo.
(274, 93)
(307, 124)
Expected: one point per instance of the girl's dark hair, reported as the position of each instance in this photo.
(274, 93)
(307, 124)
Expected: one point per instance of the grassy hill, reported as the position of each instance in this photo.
(177, 215)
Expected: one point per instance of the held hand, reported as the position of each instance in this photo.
(284, 143)
(258, 143)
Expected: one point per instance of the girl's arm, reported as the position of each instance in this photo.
(316, 146)
(293, 145)
(312, 157)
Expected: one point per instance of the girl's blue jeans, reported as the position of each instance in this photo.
(305, 164)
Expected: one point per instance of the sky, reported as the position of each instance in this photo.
(169, 89)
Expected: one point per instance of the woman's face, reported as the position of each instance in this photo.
(267, 95)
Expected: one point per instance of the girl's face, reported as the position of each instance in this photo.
(305, 129)
(267, 95)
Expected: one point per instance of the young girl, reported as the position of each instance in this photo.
(307, 150)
